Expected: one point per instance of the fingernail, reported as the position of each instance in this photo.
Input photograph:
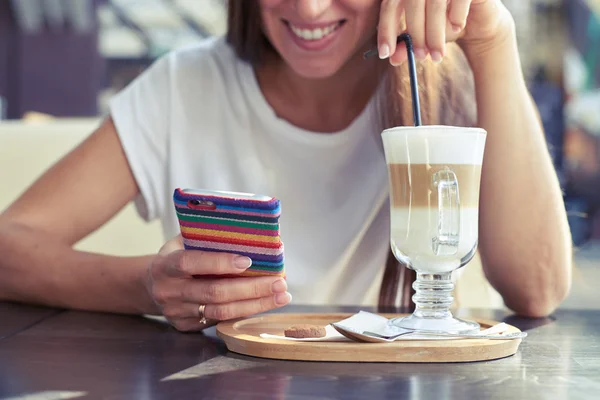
(436, 57)
(279, 286)
(282, 298)
(242, 262)
(456, 28)
(420, 54)
(384, 51)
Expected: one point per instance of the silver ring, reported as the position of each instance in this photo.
(201, 308)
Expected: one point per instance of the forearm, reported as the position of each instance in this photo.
(37, 269)
(525, 241)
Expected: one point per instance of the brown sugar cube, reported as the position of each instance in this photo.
(305, 331)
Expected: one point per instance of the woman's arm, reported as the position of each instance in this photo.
(525, 241)
(75, 197)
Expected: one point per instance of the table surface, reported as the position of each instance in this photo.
(15, 318)
(53, 354)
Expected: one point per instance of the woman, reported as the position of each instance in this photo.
(286, 105)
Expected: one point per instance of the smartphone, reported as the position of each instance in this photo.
(233, 222)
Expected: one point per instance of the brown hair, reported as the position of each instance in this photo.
(447, 98)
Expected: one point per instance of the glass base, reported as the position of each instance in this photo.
(436, 325)
(432, 299)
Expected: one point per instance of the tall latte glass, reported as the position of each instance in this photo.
(434, 175)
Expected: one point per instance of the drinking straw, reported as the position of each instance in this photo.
(414, 85)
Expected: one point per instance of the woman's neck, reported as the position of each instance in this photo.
(319, 105)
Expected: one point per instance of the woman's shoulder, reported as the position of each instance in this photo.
(210, 48)
(186, 75)
(199, 58)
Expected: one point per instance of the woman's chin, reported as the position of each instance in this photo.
(315, 70)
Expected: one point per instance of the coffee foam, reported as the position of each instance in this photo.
(434, 144)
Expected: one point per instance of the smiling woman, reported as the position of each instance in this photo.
(285, 105)
(447, 98)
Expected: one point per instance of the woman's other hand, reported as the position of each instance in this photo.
(177, 286)
(433, 23)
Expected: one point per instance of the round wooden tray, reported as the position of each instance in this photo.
(243, 336)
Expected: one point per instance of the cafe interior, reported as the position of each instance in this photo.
(61, 62)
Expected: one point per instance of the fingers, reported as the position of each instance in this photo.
(387, 31)
(218, 291)
(172, 245)
(186, 317)
(431, 23)
(415, 25)
(400, 55)
(435, 29)
(458, 13)
(195, 262)
(176, 312)
(244, 308)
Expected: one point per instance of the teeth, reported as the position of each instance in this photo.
(314, 34)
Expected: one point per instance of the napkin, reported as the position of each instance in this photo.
(366, 321)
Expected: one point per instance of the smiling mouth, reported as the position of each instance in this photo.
(315, 33)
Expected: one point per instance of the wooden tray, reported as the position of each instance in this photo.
(243, 336)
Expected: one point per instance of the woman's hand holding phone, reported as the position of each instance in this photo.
(177, 285)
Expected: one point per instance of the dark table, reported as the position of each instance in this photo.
(70, 354)
(15, 318)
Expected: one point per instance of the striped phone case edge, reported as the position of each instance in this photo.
(248, 227)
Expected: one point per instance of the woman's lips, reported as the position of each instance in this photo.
(314, 37)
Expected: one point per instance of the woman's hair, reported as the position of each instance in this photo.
(447, 98)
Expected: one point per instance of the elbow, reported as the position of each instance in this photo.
(535, 308)
(541, 300)
(533, 278)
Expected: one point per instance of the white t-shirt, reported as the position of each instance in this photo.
(197, 119)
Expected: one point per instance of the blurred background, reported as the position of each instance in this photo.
(62, 60)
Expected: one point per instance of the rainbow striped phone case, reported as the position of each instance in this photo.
(237, 223)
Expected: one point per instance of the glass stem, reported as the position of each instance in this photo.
(433, 296)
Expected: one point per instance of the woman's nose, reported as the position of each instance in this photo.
(312, 9)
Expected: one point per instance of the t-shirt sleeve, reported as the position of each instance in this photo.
(141, 113)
